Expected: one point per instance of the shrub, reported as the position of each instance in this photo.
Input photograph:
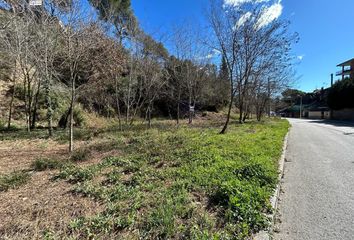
(79, 118)
(80, 155)
(77, 174)
(43, 164)
(341, 95)
(105, 146)
(13, 180)
(3, 127)
(2, 124)
(83, 134)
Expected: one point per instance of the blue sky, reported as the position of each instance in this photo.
(325, 29)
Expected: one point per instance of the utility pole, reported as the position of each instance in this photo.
(331, 110)
(300, 106)
(332, 80)
(269, 99)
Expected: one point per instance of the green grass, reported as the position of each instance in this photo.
(43, 164)
(80, 155)
(59, 134)
(13, 180)
(189, 183)
(21, 133)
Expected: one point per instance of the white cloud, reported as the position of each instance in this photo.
(214, 53)
(300, 57)
(271, 10)
(237, 3)
(269, 14)
(243, 19)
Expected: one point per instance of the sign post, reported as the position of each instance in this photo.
(35, 2)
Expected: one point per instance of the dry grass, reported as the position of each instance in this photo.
(19, 154)
(158, 183)
(42, 205)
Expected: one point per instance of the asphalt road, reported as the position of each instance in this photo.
(317, 196)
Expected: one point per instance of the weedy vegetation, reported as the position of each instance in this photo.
(181, 183)
(13, 180)
(168, 181)
(43, 164)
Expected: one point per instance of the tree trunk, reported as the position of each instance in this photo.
(35, 107)
(149, 116)
(178, 112)
(241, 113)
(29, 94)
(11, 107)
(129, 93)
(190, 120)
(245, 112)
(48, 102)
(190, 116)
(118, 106)
(245, 116)
(178, 105)
(127, 113)
(26, 103)
(223, 131)
(71, 130)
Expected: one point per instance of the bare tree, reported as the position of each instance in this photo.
(18, 41)
(48, 34)
(115, 69)
(154, 73)
(250, 44)
(192, 55)
(79, 37)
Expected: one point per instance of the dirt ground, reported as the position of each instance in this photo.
(19, 154)
(42, 205)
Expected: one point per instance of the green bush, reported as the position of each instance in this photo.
(78, 115)
(2, 124)
(341, 95)
(43, 164)
(13, 180)
(80, 155)
(19, 92)
(77, 174)
(105, 146)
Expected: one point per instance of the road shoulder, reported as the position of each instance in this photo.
(267, 234)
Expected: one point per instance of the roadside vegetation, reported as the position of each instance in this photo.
(341, 94)
(170, 181)
(13, 180)
(110, 132)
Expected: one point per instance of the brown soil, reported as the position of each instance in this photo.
(41, 205)
(19, 154)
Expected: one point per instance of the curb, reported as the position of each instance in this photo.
(266, 234)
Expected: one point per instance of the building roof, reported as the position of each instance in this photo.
(346, 63)
(294, 108)
(318, 109)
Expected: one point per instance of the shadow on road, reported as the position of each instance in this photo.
(335, 123)
(328, 123)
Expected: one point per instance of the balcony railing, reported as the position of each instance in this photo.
(344, 72)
